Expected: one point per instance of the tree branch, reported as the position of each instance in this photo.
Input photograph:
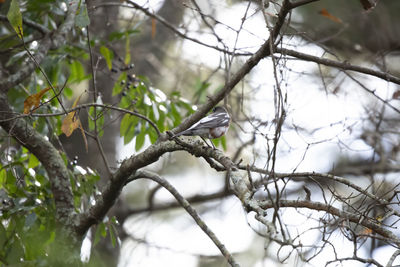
(171, 205)
(318, 206)
(129, 166)
(262, 52)
(340, 65)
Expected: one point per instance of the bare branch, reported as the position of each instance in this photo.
(335, 211)
(340, 65)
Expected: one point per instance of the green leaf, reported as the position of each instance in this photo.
(91, 118)
(100, 124)
(125, 124)
(152, 135)
(3, 176)
(100, 231)
(112, 232)
(117, 86)
(140, 138)
(161, 121)
(127, 127)
(175, 115)
(15, 17)
(77, 72)
(127, 50)
(108, 55)
(68, 92)
(33, 161)
(82, 17)
(223, 142)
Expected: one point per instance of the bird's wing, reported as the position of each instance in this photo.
(212, 121)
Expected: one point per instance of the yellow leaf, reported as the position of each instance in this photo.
(32, 102)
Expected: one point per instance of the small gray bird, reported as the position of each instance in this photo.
(212, 126)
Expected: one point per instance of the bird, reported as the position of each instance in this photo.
(212, 126)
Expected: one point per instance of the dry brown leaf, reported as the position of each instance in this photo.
(328, 15)
(71, 121)
(33, 101)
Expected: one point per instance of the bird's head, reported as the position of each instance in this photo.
(218, 109)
